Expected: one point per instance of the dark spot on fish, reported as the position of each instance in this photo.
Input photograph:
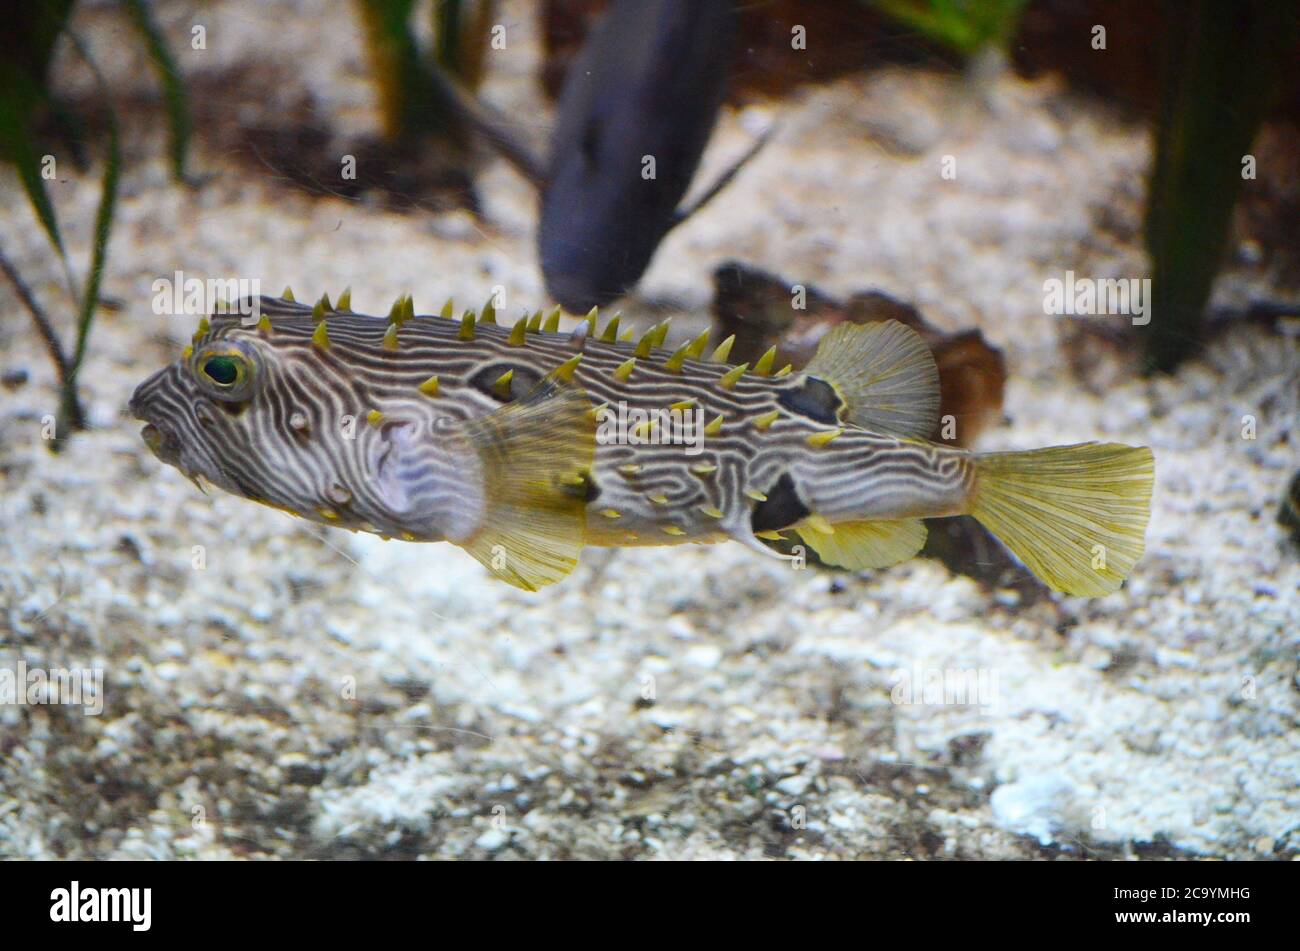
(781, 510)
(587, 491)
(233, 409)
(523, 382)
(815, 399)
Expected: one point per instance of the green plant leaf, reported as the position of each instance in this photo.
(19, 100)
(179, 121)
(967, 26)
(1223, 69)
(69, 409)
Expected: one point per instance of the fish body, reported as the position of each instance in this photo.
(522, 444)
(647, 86)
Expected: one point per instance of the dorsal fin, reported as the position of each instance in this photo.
(533, 453)
(884, 373)
(859, 545)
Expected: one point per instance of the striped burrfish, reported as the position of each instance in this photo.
(522, 444)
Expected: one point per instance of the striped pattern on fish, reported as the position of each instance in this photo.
(495, 438)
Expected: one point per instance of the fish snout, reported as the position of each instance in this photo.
(138, 404)
(145, 393)
(143, 406)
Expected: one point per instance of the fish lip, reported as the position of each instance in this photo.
(163, 446)
(167, 452)
(153, 435)
(160, 440)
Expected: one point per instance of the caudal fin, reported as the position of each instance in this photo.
(1075, 515)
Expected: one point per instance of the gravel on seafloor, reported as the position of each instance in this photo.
(311, 693)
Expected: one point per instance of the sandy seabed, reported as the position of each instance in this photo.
(311, 693)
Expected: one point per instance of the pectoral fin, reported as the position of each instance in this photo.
(533, 454)
(859, 545)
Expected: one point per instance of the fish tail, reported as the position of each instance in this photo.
(1075, 515)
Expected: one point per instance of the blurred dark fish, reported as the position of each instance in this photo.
(645, 90)
(782, 45)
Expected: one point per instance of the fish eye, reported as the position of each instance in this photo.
(225, 371)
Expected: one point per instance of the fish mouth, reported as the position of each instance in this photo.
(160, 444)
(166, 450)
(160, 440)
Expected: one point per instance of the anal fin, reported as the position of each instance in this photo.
(859, 545)
(532, 453)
